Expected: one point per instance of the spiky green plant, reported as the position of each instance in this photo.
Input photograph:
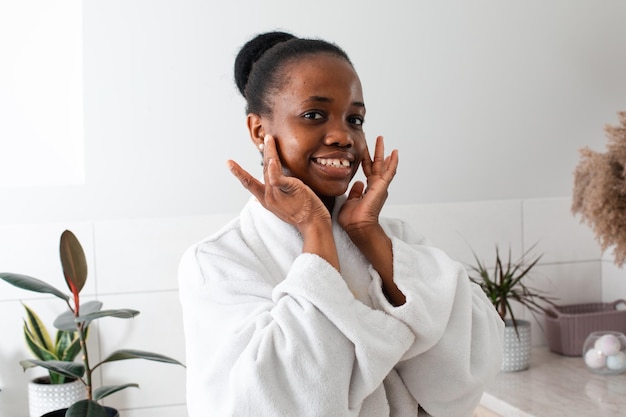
(64, 347)
(506, 283)
(77, 319)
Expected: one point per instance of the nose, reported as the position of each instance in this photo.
(339, 135)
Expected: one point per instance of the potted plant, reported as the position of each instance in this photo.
(77, 319)
(504, 284)
(55, 391)
(599, 195)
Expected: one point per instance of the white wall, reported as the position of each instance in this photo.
(487, 101)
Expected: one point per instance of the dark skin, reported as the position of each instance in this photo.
(312, 144)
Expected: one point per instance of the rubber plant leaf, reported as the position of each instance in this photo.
(86, 408)
(73, 262)
(71, 369)
(29, 283)
(124, 313)
(123, 354)
(105, 391)
(67, 321)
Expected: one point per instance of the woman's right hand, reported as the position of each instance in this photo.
(292, 201)
(287, 197)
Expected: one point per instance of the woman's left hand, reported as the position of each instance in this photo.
(362, 208)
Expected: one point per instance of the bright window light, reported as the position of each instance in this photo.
(41, 93)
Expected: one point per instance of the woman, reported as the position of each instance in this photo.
(309, 304)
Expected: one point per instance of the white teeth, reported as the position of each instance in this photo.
(333, 162)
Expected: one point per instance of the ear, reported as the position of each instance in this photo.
(256, 128)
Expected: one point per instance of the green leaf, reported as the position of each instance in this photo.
(73, 261)
(105, 391)
(57, 379)
(63, 340)
(125, 313)
(86, 408)
(36, 348)
(124, 354)
(29, 283)
(37, 329)
(67, 321)
(507, 282)
(71, 369)
(68, 345)
(68, 352)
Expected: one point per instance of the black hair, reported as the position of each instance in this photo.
(260, 62)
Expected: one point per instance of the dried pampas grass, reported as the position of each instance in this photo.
(600, 191)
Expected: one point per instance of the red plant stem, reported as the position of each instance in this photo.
(76, 295)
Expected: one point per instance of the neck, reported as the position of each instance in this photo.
(329, 202)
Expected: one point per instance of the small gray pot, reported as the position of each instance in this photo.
(516, 348)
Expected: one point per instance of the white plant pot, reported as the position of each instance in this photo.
(44, 397)
(516, 347)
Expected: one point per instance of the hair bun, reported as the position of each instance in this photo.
(252, 51)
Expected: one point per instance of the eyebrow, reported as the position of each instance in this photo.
(323, 99)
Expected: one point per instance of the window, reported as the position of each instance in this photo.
(41, 93)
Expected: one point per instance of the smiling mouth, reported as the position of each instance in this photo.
(333, 162)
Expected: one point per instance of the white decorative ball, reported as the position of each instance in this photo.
(616, 362)
(608, 344)
(594, 358)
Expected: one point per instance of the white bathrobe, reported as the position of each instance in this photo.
(273, 332)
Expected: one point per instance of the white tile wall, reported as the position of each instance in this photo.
(14, 381)
(157, 329)
(133, 264)
(461, 228)
(33, 249)
(143, 254)
(613, 282)
(559, 235)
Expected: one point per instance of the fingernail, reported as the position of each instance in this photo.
(266, 138)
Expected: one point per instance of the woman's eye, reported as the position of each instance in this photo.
(313, 115)
(357, 120)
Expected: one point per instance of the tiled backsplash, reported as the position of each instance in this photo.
(133, 264)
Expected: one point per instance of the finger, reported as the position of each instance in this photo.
(247, 180)
(356, 191)
(273, 168)
(379, 155)
(391, 166)
(276, 178)
(271, 161)
(366, 163)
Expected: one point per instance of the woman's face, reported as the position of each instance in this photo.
(317, 120)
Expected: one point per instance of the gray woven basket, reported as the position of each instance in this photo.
(568, 326)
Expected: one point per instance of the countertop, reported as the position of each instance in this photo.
(556, 386)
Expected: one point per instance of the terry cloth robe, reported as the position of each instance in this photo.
(271, 331)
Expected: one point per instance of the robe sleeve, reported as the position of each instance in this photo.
(457, 348)
(302, 345)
